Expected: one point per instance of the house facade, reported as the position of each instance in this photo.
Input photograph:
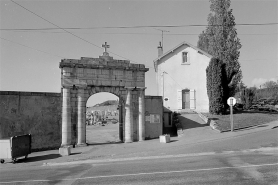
(181, 77)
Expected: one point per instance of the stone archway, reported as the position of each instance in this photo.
(102, 119)
(87, 76)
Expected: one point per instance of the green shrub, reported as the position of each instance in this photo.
(267, 93)
(215, 88)
(247, 97)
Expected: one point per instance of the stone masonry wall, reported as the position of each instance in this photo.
(153, 107)
(97, 72)
(38, 114)
(104, 74)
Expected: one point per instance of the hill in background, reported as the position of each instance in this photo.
(107, 103)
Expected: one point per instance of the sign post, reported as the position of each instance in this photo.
(231, 102)
(166, 101)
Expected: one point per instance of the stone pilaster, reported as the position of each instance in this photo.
(141, 102)
(81, 118)
(66, 118)
(121, 137)
(128, 118)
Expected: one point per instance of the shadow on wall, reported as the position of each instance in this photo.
(188, 123)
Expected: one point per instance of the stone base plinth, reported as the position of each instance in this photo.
(65, 151)
(164, 139)
(81, 145)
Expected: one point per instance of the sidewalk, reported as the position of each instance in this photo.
(192, 136)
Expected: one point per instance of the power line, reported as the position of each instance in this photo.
(126, 33)
(130, 60)
(129, 27)
(33, 48)
(70, 32)
(54, 24)
(65, 29)
(121, 27)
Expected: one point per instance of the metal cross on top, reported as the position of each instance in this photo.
(105, 46)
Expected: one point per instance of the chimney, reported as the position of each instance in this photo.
(160, 49)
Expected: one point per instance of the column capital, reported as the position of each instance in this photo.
(66, 87)
(129, 88)
(73, 87)
(141, 88)
(135, 88)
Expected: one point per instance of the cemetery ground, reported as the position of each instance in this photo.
(243, 119)
(103, 133)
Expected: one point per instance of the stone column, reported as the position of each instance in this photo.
(81, 119)
(128, 118)
(66, 118)
(121, 137)
(142, 114)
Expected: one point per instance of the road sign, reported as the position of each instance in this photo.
(231, 101)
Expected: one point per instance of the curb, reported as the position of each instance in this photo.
(92, 161)
(215, 126)
(209, 121)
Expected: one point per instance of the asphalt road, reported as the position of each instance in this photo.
(253, 167)
(246, 159)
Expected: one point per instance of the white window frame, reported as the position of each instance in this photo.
(187, 58)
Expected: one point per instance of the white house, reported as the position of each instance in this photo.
(181, 77)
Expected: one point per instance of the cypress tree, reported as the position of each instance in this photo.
(215, 88)
(221, 41)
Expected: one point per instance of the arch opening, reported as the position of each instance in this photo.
(103, 119)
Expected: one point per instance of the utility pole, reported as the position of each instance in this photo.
(162, 34)
(163, 73)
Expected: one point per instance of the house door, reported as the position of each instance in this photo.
(185, 99)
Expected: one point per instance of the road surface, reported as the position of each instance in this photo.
(241, 167)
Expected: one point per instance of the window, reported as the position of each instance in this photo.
(185, 58)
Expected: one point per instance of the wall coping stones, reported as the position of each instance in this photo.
(25, 93)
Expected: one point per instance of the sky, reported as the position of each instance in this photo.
(29, 59)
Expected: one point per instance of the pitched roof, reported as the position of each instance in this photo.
(178, 46)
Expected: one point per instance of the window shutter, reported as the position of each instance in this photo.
(192, 99)
(179, 99)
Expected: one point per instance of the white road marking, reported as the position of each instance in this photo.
(90, 161)
(269, 150)
(137, 174)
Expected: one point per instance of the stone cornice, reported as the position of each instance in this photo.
(99, 63)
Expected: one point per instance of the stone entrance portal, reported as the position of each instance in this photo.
(87, 76)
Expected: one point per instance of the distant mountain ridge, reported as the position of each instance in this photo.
(107, 103)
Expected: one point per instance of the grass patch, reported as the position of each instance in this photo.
(243, 119)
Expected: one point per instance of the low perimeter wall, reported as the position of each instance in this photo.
(38, 114)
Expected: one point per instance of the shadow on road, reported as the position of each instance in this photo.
(173, 141)
(38, 158)
(107, 143)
